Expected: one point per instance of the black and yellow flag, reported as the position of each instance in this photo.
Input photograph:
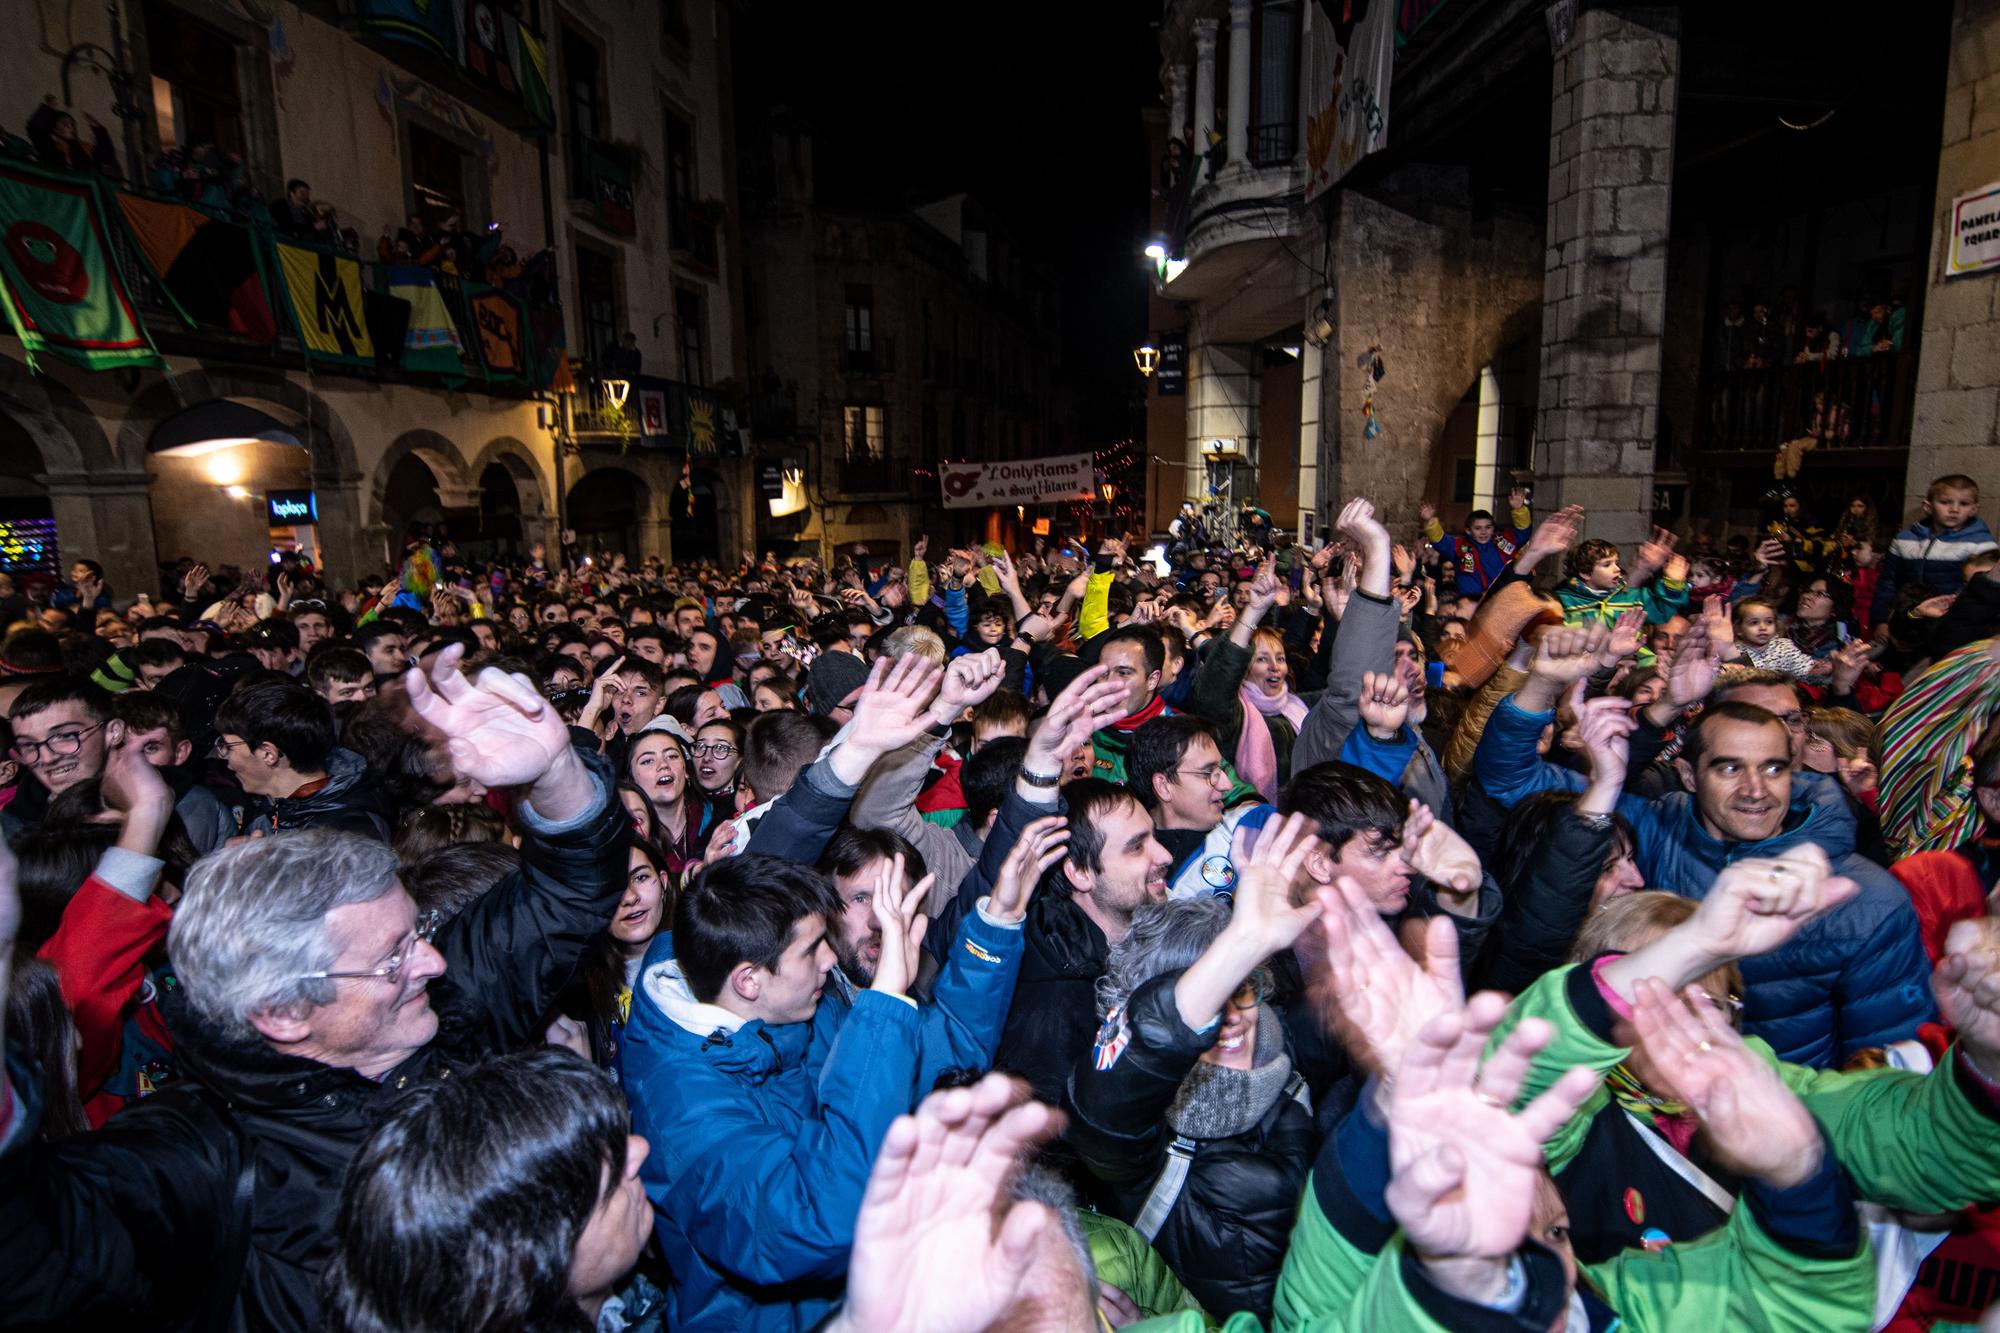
(324, 290)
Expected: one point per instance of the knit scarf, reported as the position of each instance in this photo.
(1217, 1102)
(1256, 757)
(1671, 1118)
(1128, 725)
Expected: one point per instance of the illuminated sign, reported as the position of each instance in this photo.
(291, 508)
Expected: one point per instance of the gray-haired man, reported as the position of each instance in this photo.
(311, 996)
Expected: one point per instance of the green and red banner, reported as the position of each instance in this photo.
(63, 294)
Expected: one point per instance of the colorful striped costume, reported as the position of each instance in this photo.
(1928, 736)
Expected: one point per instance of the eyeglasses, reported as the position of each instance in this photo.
(715, 749)
(60, 744)
(1256, 989)
(1212, 774)
(223, 745)
(307, 604)
(425, 931)
(1794, 720)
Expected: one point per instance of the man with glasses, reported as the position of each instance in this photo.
(58, 741)
(1175, 768)
(311, 995)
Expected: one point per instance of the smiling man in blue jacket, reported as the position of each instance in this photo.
(765, 1103)
(1853, 979)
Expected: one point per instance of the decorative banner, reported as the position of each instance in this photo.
(611, 186)
(207, 265)
(425, 23)
(1975, 232)
(324, 290)
(1346, 96)
(431, 342)
(1024, 482)
(487, 36)
(63, 296)
(1171, 371)
(534, 70)
(502, 332)
(653, 412)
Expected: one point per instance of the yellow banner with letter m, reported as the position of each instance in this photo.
(324, 290)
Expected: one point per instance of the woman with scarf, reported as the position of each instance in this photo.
(659, 764)
(1189, 1108)
(1244, 688)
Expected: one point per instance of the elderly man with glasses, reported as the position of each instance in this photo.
(311, 995)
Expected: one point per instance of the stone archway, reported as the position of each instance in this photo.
(612, 508)
(531, 485)
(457, 485)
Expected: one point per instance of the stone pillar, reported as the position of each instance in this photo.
(107, 517)
(1239, 84)
(346, 551)
(1955, 425)
(1310, 389)
(1177, 101)
(1204, 87)
(1611, 137)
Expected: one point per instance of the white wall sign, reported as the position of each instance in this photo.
(1975, 232)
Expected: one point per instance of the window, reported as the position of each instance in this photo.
(863, 433)
(680, 179)
(692, 321)
(859, 340)
(196, 99)
(437, 180)
(583, 106)
(597, 302)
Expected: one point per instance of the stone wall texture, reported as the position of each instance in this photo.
(1611, 137)
(1956, 426)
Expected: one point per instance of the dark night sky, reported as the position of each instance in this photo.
(1032, 106)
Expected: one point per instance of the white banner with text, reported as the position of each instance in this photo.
(1027, 481)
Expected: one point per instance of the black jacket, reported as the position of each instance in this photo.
(350, 802)
(1227, 1233)
(127, 1227)
(1054, 1013)
(1546, 906)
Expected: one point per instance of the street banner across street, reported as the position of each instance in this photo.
(1027, 481)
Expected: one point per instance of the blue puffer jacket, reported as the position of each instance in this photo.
(1853, 979)
(762, 1136)
(1936, 559)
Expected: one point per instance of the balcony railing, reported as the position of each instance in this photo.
(1861, 402)
(864, 474)
(657, 413)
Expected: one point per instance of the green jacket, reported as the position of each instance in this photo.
(1661, 600)
(1127, 1262)
(1912, 1141)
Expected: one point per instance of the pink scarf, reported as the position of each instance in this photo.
(1256, 757)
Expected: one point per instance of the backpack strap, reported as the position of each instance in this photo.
(1166, 1188)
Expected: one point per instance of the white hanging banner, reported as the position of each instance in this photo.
(1350, 60)
(1029, 481)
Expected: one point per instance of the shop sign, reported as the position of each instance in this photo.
(291, 509)
(1975, 232)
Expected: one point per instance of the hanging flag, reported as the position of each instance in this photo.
(1345, 100)
(431, 342)
(63, 296)
(534, 71)
(502, 332)
(488, 37)
(324, 290)
(207, 265)
(426, 23)
(611, 186)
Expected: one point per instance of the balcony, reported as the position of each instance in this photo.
(1232, 223)
(862, 474)
(693, 228)
(1856, 408)
(657, 414)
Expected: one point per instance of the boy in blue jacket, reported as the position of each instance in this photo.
(766, 1106)
(1933, 550)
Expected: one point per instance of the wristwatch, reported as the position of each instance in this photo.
(1041, 779)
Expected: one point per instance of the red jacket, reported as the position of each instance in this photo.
(99, 954)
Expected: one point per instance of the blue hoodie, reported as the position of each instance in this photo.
(1935, 559)
(763, 1136)
(1853, 979)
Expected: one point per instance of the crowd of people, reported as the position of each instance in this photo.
(1475, 933)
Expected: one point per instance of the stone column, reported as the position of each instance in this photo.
(1177, 101)
(1204, 86)
(107, 517)
(1611, 137)
(1239, 84)
(346, 551)
(1955, 424)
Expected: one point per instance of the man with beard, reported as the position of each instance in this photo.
(1851, 980)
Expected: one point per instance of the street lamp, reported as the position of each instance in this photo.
(617, 391)
(1157, 252)
(1146, 358)
(1110, 491)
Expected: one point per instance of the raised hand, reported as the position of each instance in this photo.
(1752, 1121)
(1552, 536)
(1264, 589)
(500, 732)
(1517, 498)
(1426, 511)
(893, 710)
(1089, 702)
(1677, 568)
(1266, 870)
(1623, 641)
(899, 913)
(1605, 725)
(1403, 562)
(1375, 995)
(1656, 551)
(1435, 851)
(1565, 654)
(137, 793)
(1968, 990)
(1849, 660)
(1463, 1166)
(969, 680)
(917, 551)
(938, 1245)
(1384, 704)
(1769, 552)
(1042, 843)
(192, 582)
